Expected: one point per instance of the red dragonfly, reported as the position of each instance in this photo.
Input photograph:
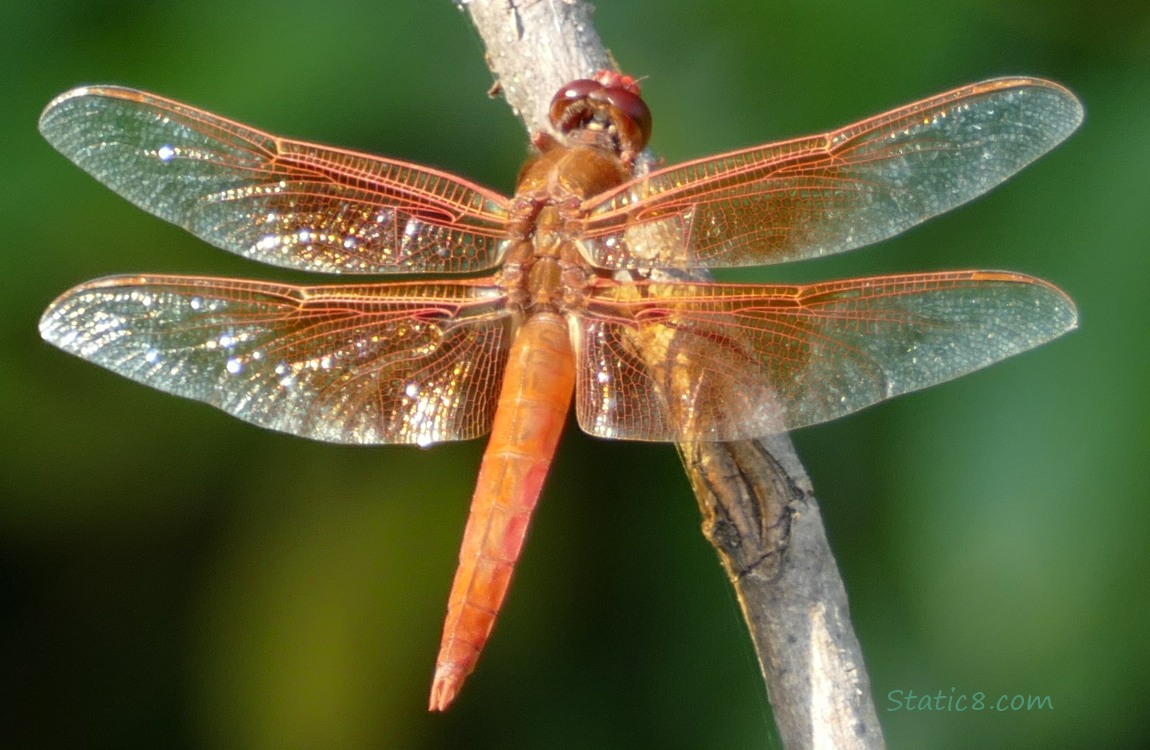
(578, 300)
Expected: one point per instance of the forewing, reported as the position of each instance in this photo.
(379, 363)
(718, 362)
(277, 201)
(829, 193)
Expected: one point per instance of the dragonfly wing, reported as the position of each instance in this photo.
(275, 200)
(718, 362)
(381, 363)
(828, 193)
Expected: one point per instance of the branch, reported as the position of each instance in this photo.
(759, 511)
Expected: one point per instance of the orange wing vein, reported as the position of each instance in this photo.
(274, 200)
(672, 362)
(373, 363)
(834, 192)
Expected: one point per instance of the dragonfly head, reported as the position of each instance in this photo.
(606, 110)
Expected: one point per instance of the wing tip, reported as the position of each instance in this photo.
(47, 325)
(1073, 110)
(81, 92)
(1061, 301)
(50, 110)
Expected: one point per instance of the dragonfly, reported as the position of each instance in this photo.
(579, 287)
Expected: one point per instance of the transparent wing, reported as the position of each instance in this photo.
(829, 193)
(688, 361)
(377, 363)
(274, 200)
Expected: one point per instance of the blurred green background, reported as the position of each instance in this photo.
(171, 577)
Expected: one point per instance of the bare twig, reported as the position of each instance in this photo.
(758, 507)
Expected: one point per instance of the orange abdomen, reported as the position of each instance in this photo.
(537, 388)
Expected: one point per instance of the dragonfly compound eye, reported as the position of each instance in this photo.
(613, 101)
